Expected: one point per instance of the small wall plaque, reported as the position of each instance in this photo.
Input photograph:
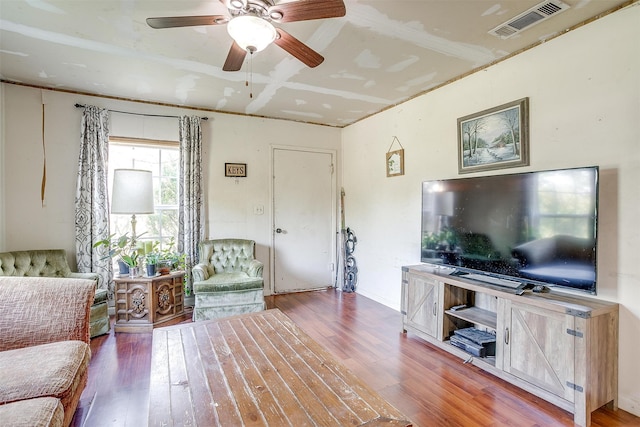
(395, 159)
(235, 169)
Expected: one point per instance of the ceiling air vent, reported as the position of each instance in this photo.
(537, 13)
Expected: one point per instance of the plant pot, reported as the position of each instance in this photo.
(170, 263)
(151, 270)
(165, 266)
(134, 272)
(123, 267)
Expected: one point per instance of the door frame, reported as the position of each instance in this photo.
(334, 207)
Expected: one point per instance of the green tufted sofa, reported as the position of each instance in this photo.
(227, 280)
(53, 263)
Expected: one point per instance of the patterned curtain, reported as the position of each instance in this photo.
(92, 203)
(190, 229)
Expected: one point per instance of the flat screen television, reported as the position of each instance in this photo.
(535, 228)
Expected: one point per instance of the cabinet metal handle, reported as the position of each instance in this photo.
(506, 336)
(435, 308)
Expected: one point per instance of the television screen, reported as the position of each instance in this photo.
(532, 228)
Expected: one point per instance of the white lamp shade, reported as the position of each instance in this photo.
(251, 32)
(132, 192)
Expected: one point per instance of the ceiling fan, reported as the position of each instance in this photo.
(250, 26)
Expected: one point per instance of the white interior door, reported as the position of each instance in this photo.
(304, 219)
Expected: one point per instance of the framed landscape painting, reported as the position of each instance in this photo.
(494, 139)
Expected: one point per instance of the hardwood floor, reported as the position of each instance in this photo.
(428, 385)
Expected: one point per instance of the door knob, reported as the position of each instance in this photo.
(278, 230)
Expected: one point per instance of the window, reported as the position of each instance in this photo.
(162, 158)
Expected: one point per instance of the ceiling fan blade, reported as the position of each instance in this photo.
(235, 58)
(295, 47)
(186, 21)
(305, 10)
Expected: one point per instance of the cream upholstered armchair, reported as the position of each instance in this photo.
(227, 280)
(53, 263)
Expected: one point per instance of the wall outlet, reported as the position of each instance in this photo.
(258, 210)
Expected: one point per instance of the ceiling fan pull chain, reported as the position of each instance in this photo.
(246, 80)
(250, 79)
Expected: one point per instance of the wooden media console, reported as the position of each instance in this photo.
(562, 348)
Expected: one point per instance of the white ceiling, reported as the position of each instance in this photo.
(380, 54)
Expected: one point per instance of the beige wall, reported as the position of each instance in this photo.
(226, 138)
(584, 90)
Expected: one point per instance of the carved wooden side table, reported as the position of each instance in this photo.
(144, 302)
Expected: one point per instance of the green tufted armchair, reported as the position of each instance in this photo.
(228, 279)
(53, 263)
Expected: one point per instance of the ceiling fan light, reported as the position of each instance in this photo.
(276, 15)
(238, 4)
(251, 32)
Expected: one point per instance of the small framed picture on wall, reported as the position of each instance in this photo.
(236, 170)
(395, 163)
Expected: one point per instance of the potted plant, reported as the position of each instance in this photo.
(133, 261)
(151, 261)
(122, 248)
(170, 259)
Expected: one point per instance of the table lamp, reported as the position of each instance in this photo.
(132, 193)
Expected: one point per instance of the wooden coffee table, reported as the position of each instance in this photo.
(256, 369)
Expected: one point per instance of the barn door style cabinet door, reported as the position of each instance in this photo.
(539, 348)
(421, 305)
(570, 357)
(559, 347)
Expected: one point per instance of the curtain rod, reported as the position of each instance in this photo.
(140, 114)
